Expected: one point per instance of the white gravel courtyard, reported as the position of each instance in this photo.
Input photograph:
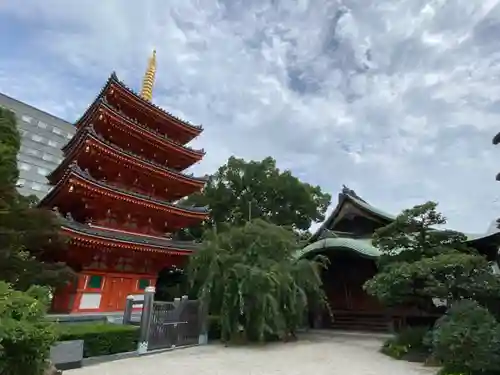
(316, 354)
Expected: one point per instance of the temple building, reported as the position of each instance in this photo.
(115, 194)
(346, 239)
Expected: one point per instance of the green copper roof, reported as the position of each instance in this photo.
(348, 195)
(363, 247)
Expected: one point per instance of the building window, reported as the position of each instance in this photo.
(24, 166)
(36, 138)
(143, 284)
(42, 125)
(26, 118)
(42, 171)
(56, 130)
(53, 143)
(47, 157)
(21, 182)
(37, 187)
(95, 282)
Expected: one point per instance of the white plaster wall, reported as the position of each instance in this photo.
(90, 301)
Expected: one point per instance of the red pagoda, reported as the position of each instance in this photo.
(115, 190)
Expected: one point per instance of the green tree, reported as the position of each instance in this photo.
(420, 263)
(240, 191)
(249, 277)
(25, 334)
(29, 236)
(10, 142)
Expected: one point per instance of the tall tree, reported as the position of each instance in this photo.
(420, 263)
(243, 190)
(28, 235)
(249, 278)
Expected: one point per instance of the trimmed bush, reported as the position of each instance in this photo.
(467, 340)
(101, 338)
(25, 336)
(408, 344)
(214, 328)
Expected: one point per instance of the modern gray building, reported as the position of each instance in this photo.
(43, 135)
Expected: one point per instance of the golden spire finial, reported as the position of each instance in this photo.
(149, 78)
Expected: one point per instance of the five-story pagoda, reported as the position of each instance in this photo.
(114, 191)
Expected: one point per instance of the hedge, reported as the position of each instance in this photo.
(214, 328)
(101, 338)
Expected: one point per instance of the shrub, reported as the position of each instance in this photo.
(408, 344)
(214, 328)
(466, 339)
(101, 338)
(25, 335)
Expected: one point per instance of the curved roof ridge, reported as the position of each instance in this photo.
(150, 130)
(360, 246)
(115, 78)
(161, 243)
(86, 175)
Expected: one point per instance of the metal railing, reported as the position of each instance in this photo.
(167, 324)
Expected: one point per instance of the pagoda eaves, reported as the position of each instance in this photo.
(81, 183)
(116, 92)
(91, 149)
(125, 239)
(101, 115)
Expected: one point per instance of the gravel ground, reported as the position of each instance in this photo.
(316, 354)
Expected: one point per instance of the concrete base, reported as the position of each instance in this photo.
(66, 355)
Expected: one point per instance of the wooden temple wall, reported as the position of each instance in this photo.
(98, 291)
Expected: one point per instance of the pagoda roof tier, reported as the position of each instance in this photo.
(101, 108)
(75, 175)
(123, 239)
(185, 130)
(123, 157)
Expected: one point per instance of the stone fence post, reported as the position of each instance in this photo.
(147, 313)
(127, 313)
(203, 323)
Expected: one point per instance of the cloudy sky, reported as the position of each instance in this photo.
(398, 99)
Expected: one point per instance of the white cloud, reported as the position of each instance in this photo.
(399, 99)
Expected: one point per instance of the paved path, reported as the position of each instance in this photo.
(312, 355)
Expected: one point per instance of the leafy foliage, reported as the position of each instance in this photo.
(467, 339)
(241, 190)
(101, 339)
(409, 341)
(10, 142)
(28, 235)
(420, 263)
(25, 335)
(248, 277)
